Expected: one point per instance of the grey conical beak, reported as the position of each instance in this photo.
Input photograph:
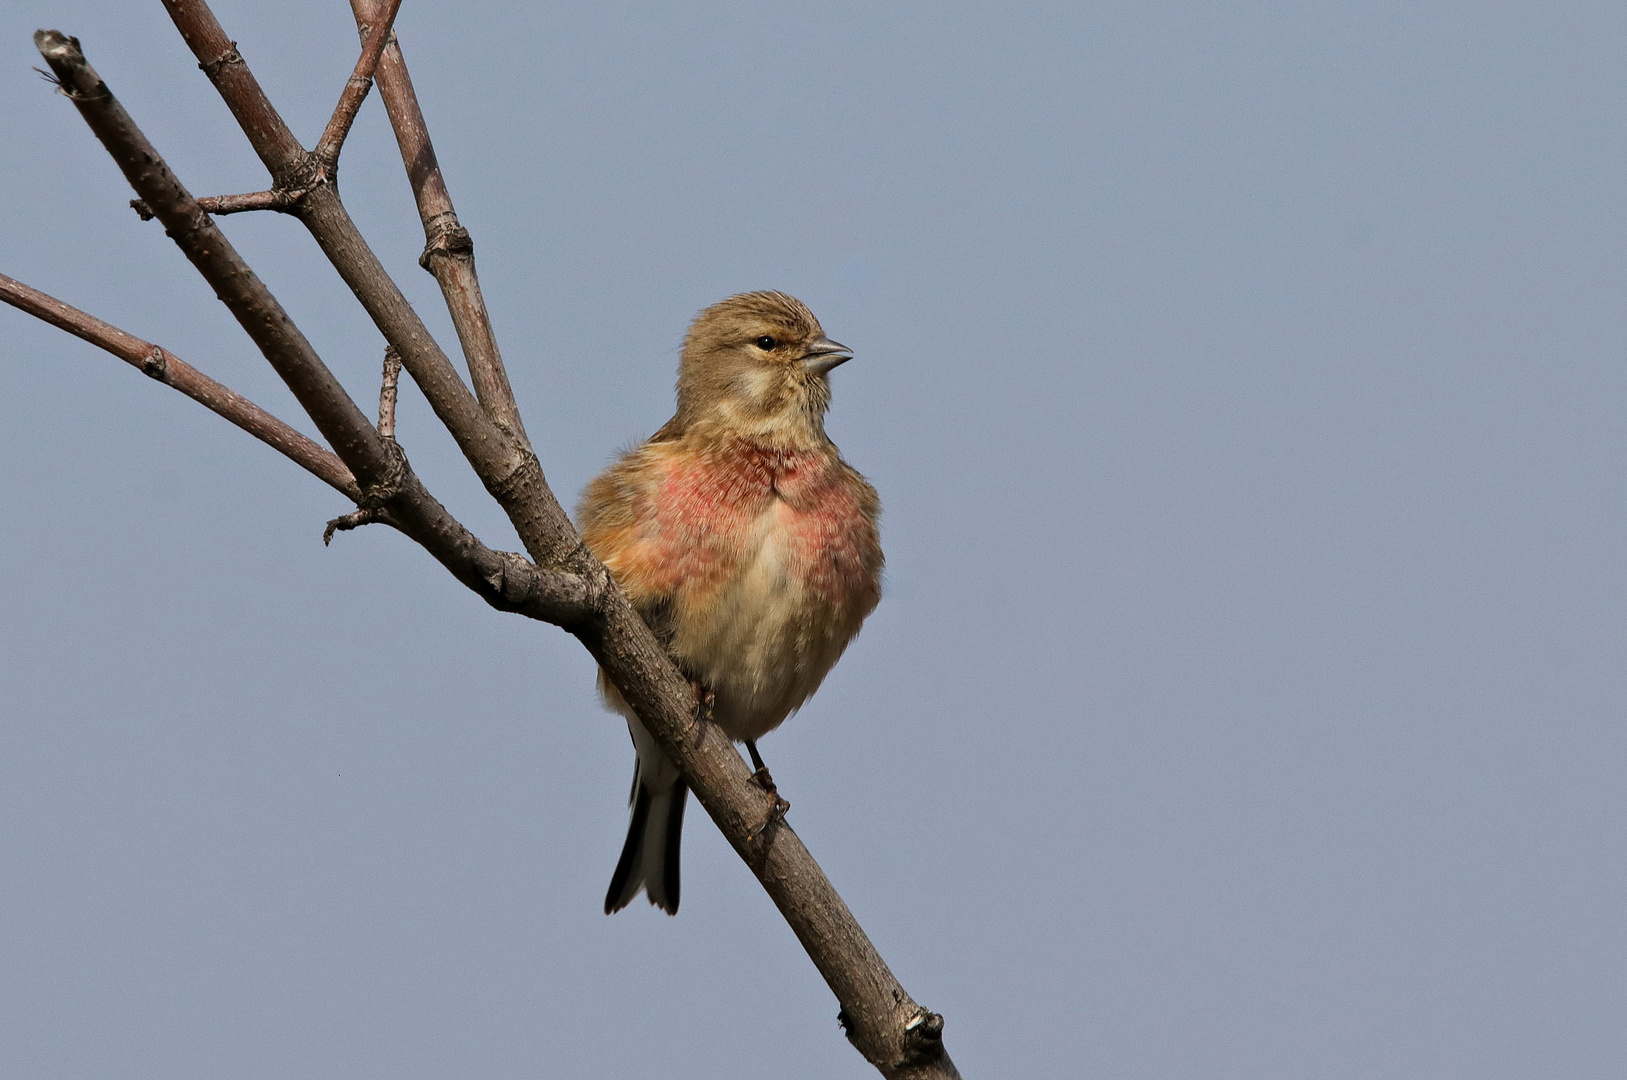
(824, 354)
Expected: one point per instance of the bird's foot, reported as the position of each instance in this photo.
(704, 701)
(777, 806)
(763, 780)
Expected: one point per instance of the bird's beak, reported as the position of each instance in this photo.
(824, 354)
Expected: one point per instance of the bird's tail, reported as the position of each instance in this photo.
(649, 858)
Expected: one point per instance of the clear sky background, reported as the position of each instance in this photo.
(1244, 386)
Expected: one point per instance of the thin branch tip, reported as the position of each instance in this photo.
(389, 388)
(353, 520)
(66, 58)
(357, 87)
(54, 43)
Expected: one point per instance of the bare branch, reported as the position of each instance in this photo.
(504, 580)
(265, 321)
(171, 370)
(510, 472)
(355, 92)
(388, 387)
(448, 249)
(387, 483)
(215, 205)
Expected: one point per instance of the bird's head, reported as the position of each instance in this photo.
(756, 365)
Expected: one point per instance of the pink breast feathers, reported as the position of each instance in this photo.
(711, 508)
(833, 540)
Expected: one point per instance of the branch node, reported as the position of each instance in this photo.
(301, 178)
(446, 237)
(923, 1036)
(375, 497)
(143, 211)
(212, 68)
(512, 577)
(156, 365)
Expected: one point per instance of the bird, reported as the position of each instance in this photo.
(747, 544)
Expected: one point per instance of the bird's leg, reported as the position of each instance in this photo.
(779, 806)
(765, 781)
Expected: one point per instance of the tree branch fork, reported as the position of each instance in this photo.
(557, 580)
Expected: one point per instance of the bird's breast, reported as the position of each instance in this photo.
(795, 519)
(782, 566)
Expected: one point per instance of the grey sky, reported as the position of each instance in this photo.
(1243, 384)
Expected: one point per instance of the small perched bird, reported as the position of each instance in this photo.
(744, 540)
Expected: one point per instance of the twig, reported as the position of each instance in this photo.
(448, 249)
(238, 287)
(345, 522)
(171, 370)
(355, 91)
(387, 391)
(216, 205)
(510, 472)
(374, 504)
(503, 580)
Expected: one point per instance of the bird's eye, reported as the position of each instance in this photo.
(765, 343)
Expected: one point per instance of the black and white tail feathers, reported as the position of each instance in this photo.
(649, 858)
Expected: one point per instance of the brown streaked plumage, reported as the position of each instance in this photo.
(745, 541)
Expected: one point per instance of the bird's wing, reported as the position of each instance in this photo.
(622, 525)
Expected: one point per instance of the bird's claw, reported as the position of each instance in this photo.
(777, 807)
(704, 701)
